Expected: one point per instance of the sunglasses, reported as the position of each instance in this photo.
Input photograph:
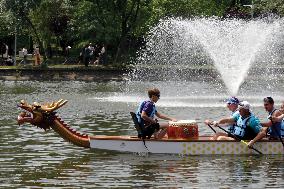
(157, 95)
(232, 103)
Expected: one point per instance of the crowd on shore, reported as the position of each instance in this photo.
(89, 55)
(93, 54)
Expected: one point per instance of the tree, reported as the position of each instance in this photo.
(51, 18)
(113, 22)
(121, 24)
(6, 20)
(20, 9)
(269, 6)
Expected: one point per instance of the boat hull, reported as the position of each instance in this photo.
(200, 146)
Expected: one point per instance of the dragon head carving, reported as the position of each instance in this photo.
(37, 114)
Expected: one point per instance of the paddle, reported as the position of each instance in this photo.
(238, 139)
(212, 128)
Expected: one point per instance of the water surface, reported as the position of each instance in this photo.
(33, 158)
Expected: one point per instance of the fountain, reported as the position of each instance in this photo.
(232, 46)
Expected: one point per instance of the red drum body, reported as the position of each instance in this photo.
(183, 129)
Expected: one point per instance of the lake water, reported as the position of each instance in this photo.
(33, 158)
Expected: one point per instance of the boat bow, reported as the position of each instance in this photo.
(44, 117)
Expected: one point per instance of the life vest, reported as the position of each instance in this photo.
(241, 127)
(231, 128)
(139, 112)
(275, 129)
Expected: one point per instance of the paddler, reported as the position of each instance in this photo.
(280, 119)
(271, 128)
(247, 125)
(146, 116)
(232, 105)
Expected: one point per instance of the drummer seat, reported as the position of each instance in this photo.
(136, 124)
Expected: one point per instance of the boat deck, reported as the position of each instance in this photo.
(134, 138)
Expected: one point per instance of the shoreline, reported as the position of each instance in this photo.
(81, 73)
(63, 74)
(101, 73)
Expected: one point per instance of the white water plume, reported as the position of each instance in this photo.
(175, 45)
(232, 44)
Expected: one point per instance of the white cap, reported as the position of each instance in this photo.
(245, 104)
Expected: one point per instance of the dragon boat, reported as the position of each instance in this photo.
(45, 117)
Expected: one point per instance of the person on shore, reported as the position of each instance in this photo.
(37, 56)
(272, 128)
(25, 54)
(87, 55)
(103, 56)
(4, 50)
(247, 125)
(9, 61)
(96, 54)
(82, 56)
(232, 105)
(91, 52)
(146, 116)
(67, 54)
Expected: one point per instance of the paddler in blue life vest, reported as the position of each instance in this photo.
(271, 128)
(247, 125)
(280, 119)
(232, 105)
(146, 116)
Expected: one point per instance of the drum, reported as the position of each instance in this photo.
(184, 129)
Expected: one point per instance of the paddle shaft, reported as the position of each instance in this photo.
(237, 138)
(211, 128)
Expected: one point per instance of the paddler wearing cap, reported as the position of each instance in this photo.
(247, 125)
(232, 105)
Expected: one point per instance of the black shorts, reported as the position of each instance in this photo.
(149, 130)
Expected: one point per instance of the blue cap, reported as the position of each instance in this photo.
(233, 100)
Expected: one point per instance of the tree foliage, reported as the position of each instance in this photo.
(120, 24)
(6, 20)
(269, 6)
